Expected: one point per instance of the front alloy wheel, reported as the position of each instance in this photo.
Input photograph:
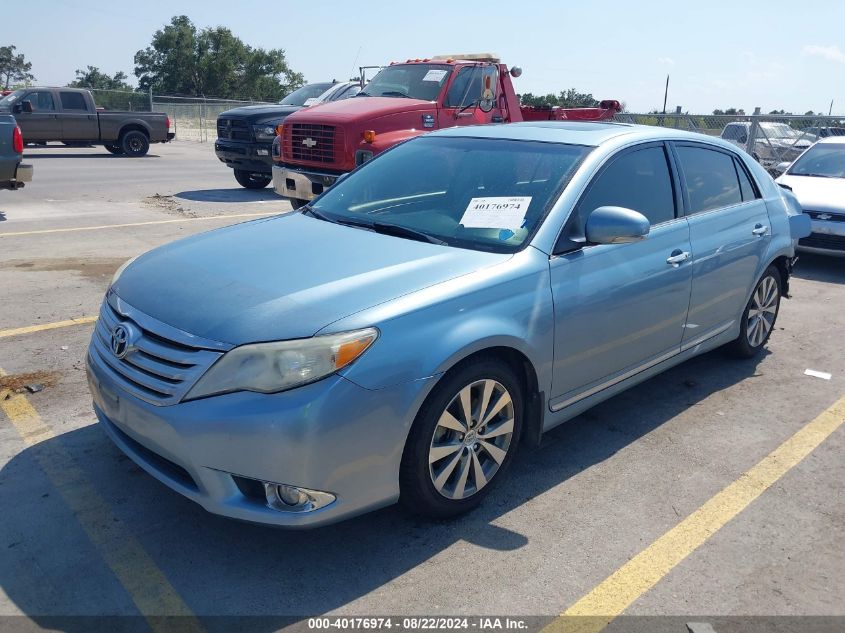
(471, 439)
(463, 439)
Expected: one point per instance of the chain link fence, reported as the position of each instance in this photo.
(771, 139)
(191, 118)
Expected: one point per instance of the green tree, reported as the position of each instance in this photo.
(567, 99)
(14, 68)
(93, 78)
(212, 62)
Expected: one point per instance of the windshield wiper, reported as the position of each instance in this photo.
(815, 175)
(363, 94)
(314, 213)
(404, 231)
(468, 106)
(395, 93)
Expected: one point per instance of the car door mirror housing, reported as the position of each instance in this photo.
(616, 225)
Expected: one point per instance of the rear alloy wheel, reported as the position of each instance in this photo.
(251, 179)
(117, 150)
(463, 440)
(134, 143)
(759, 316)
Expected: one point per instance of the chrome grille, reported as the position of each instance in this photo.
(315, 143)
(831, 217)
(233, 129)
(818, 240)
(158, 369)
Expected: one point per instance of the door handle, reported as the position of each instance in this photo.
(759, 230)
(677, 258)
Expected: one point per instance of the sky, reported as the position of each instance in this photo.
(773, 54)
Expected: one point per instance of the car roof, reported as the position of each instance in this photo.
(835, 140)
(587, 133)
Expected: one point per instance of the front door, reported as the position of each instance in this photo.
(472, 97)
(620, 308)
(42, 124)
(729, 231)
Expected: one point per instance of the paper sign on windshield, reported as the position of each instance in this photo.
(311, 101)
(435, 75)
(496, 213)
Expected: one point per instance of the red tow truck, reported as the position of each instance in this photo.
(317, 145)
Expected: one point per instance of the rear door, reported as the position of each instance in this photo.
(621, 308)
(729, 233)
(42, 124)
(79, 119)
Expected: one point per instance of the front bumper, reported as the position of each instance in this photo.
(332, 436)
(255, 157)
(301, 184)
(827, 238)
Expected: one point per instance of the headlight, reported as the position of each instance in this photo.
(272, 367)
(264, 132)
(120, 270)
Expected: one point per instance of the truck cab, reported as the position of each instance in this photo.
(404, 100)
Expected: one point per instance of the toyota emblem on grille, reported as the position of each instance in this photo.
(309, 142)
(122, 341)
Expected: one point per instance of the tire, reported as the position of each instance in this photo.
(134, 143)
(759, 316)
(296, 202)
(117, 150)
(464, 468)
(251, 180)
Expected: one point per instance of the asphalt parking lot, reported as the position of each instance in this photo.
(86, 532)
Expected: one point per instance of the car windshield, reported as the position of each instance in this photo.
(483, 194)
(779, 130)
(311, 91)
(417, 81)
(9, 99)
(824, 160)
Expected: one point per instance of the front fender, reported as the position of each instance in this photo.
(428, 332)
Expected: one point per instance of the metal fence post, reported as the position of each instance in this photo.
(151, 98)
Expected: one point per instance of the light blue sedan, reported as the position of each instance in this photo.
(399, 337)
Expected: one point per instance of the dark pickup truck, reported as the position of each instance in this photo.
(70, 115)
(245, 135)
(13, 173)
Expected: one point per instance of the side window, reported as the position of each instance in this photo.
(711, 179)
(637, 180)
(465, 89)
(745, 186)
(73, 101)
(41, 101)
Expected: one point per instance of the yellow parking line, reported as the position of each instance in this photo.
(121, 226)
(17, 331)
(142, 579)
(616, 593)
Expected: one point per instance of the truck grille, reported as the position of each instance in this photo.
(157, 370)
(818, 240)
(834, 217)
(311, 143)
(233, 129)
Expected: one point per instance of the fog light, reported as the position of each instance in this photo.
(287, 498)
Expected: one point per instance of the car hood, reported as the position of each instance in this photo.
(284, 277)
(362, 108)
(817, 194)
(258, 113)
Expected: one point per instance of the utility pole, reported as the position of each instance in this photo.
(830, 112)
(665, 94)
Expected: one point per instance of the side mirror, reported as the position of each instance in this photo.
(616, 225)
(782, 167)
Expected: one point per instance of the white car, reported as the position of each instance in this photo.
(817, 178)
